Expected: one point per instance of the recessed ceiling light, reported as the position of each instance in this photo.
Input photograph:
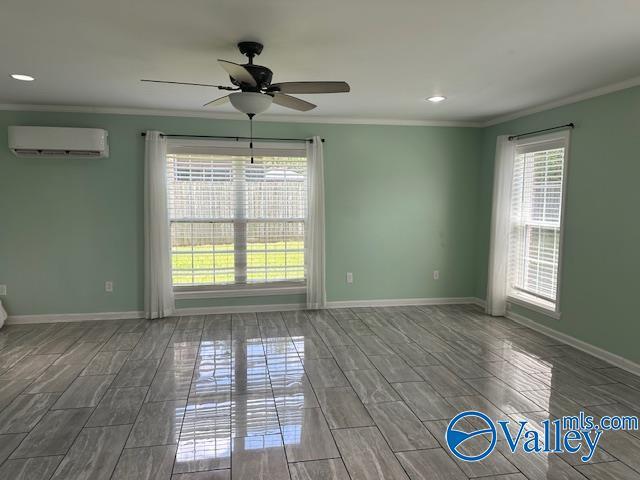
(24, 78)
(436, 98)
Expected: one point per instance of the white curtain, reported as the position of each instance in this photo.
(314, 241)
(499, 248)
(158, 290)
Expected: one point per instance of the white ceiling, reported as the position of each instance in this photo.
(489, 57)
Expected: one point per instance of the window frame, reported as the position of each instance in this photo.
(240, 148)
(531, 144)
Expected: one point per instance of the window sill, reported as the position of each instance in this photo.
(534, 305)
(236, 291)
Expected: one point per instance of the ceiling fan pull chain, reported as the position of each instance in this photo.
(250, 115)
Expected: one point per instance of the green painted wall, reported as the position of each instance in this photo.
(601, 261)
(400, 202)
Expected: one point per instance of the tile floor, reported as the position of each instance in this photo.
(340, 394)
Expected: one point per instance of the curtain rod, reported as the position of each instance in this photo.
(567, 125)
(236, 138)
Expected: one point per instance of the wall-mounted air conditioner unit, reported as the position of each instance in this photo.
(58, 142)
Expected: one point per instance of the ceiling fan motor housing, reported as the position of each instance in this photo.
(262, 76)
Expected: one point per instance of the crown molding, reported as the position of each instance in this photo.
(630, 83)
(597, 92)
(232, 116)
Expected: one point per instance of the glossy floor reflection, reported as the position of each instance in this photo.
(333, 395)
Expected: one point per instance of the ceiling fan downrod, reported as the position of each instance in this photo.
(250, 49)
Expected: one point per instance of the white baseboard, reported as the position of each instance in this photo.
(401, 302)
(398, 302)
(280, 307)
(602, 354)
(71, 317)
(277, 307)
(479, 302)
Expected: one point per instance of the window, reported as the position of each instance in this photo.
(536, 219)
(234, 222)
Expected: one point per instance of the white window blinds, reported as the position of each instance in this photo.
(535, 219)
(234, 222)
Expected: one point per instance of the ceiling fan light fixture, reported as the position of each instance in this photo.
(250, 102)
(436, 99)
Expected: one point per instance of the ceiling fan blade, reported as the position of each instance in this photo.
(310, 87)
(217, 102)
(292, 102)
(238, 72)
(221, 87)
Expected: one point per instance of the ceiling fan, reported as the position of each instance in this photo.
(253, 90)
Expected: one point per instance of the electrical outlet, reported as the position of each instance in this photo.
(349, 277)
(108, 286)
(3, 290)
(436, 274)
